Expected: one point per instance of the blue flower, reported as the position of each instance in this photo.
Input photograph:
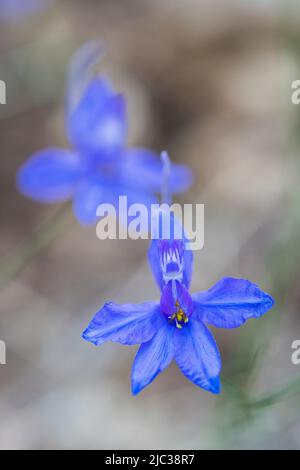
(99, 168)
(176, 327)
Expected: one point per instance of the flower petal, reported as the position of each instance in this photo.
(51, 175)
(176, 293)
(89, 195)
(124, 323)
(154, 258)
(98, 190)
(80, 72)
(230, 302)
(143, 168)
(98, 126)
(152, 357)
(174, 245)
(197, 355)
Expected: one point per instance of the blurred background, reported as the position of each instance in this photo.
(210, 81)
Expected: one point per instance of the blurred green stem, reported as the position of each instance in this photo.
(11, 266)
(287, 391)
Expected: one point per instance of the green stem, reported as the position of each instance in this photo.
(11, 266)
(287, 391)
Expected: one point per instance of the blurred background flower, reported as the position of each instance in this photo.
(213, 89)
(100, 167)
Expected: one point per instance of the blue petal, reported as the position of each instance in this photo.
(124, 323)
(231, 302)
(51, 175)
(98, 126)
(79, 74)
(154, 257)
(176, 292)
(97, 191)
(152, 358)
(197, 355)
(142, 167)
(88, 197)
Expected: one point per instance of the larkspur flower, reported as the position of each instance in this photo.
(100, 167)
(176, 327)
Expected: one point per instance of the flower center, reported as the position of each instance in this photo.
(176, 303)
(179, 316)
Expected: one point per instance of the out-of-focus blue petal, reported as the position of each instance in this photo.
(89, 195)
(197, 355)
(79, 73)
(124, 323)
(98, 126)
(138, 196)
(143, 167)
(19, 9)
(230, 302)
(152, 357)
(96, 191)
(51, 175)
(160, 245)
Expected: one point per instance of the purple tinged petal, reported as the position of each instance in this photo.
(197, 355)
(231, 302)
(153, 357)
(174, 292)
(144, 167)
(51, 175)
(124, 323)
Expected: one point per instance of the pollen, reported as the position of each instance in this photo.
(179, 316)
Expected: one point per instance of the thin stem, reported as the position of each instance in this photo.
(11, 266)
(166, 197)
(287, 391)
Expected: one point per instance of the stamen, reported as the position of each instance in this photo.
(179, 316)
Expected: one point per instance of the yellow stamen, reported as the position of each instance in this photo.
(179, 316)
